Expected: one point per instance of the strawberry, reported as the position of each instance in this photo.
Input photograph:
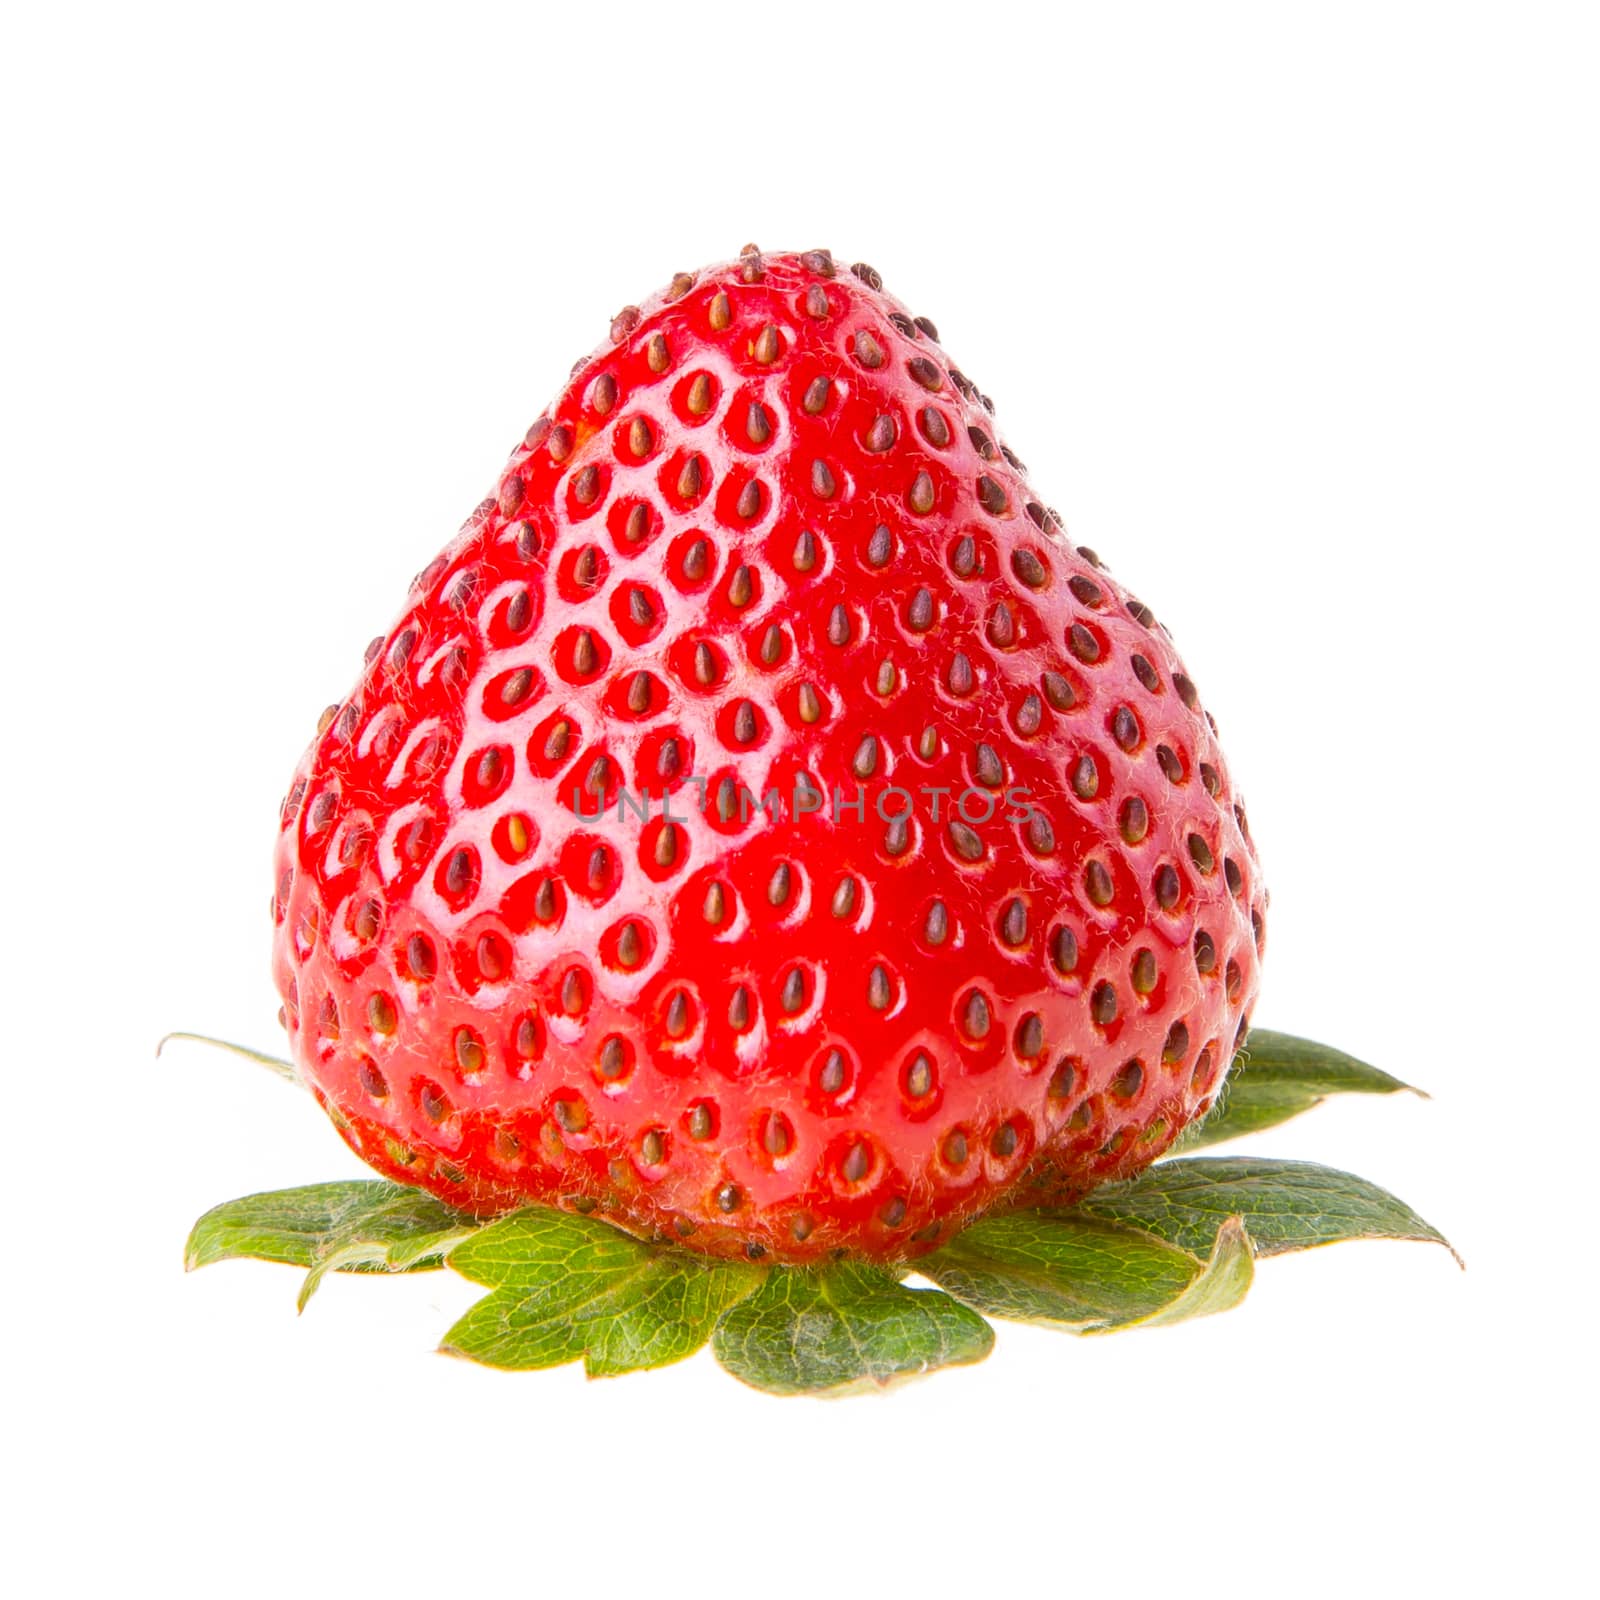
(761, 827)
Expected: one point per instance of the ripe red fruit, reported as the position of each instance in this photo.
(768, 538)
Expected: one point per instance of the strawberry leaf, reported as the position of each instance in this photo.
(844, 1327)
(359, 1225)
(1077, 1272)
(1178, 1241)
(1087, 1275)
(1286, 1205)
(568, 1287)
(1277, 1076)
(1223, 1283)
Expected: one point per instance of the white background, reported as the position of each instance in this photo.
(1291, 309)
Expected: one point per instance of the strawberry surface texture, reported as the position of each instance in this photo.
(762, 828)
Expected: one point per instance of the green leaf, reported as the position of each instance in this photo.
(1075, 1271)
(844, 1327)
(567, 1287)
(1084, 1274)
(1277, 1076)
(358, 1225)
(1286, 1205)
(1224, 1282)
(1177, 1242)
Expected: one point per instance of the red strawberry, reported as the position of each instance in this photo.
(767, 538)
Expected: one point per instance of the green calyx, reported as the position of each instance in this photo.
(1178, 1241)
